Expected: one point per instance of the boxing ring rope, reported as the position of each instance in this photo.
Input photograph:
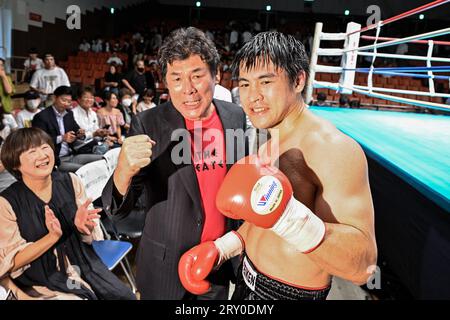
(351, 51)
(444, 43)
(403, 15)
(419, 103)
(427, 35)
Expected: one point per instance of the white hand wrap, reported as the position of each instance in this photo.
(300, 227)
(229, 246)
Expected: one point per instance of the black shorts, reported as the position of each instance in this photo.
(253, 285)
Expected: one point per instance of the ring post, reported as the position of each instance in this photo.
(350, 58)
(313, 62)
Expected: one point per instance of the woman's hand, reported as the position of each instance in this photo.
(52, 223)
(84, 218)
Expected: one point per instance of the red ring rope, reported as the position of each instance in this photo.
(403, 15)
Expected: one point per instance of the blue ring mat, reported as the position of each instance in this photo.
(414, 146)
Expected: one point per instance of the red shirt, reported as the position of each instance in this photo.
(208, 157)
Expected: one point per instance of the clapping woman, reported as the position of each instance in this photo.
(47, 226)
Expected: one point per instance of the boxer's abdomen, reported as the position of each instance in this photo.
(276, 258)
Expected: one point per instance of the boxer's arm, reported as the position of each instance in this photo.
(349, 248)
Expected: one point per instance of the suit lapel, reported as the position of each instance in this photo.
(186, 172)
(174, 120)
(229, 122)
(67, 121)
(53, 121)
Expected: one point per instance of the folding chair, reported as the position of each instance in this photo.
(94, 176)
(132, 225)
(111, 158)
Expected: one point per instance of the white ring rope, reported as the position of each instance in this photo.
(405, 57)
(370, 90)
(427, 35)
(419, 103)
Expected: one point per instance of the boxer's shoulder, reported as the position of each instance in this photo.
(331, 153)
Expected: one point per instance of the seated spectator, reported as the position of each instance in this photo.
(97, 45)
(32, 102)
(110, 117)
(84, 46)
(6, 88)
(321, 100)
(32, 64)
(58, 122)
(113, 79)
(6, 179)
(85, 117)
(115, 59)
(107, 46)
(48, 225)
(355, 104)
(136, 80)
(150, 79)
(127, 107)
(222, 93)
(155, 72)
(235, 97)
(147, 101)
(46, 80)
(7, 123)
(343, 101)
(164, 98)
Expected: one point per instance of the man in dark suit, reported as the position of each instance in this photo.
(59, 123)
(177, 156)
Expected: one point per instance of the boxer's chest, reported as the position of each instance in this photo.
(303, 180)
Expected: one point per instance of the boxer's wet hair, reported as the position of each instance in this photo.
(182, 43)
(284, 51)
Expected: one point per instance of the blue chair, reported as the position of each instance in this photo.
(94, 176)
(111, 252)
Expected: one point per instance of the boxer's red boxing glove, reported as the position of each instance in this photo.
(262, 195)
(198, 262)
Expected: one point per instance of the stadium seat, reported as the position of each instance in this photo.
(94, 177)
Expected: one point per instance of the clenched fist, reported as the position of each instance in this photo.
(134, 155)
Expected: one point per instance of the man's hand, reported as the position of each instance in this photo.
(2, 72)
(69, 137)
(81, 134)
(84, 218)
(101, 133)
(134, 155)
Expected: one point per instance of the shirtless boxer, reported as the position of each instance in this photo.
(321, 224)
